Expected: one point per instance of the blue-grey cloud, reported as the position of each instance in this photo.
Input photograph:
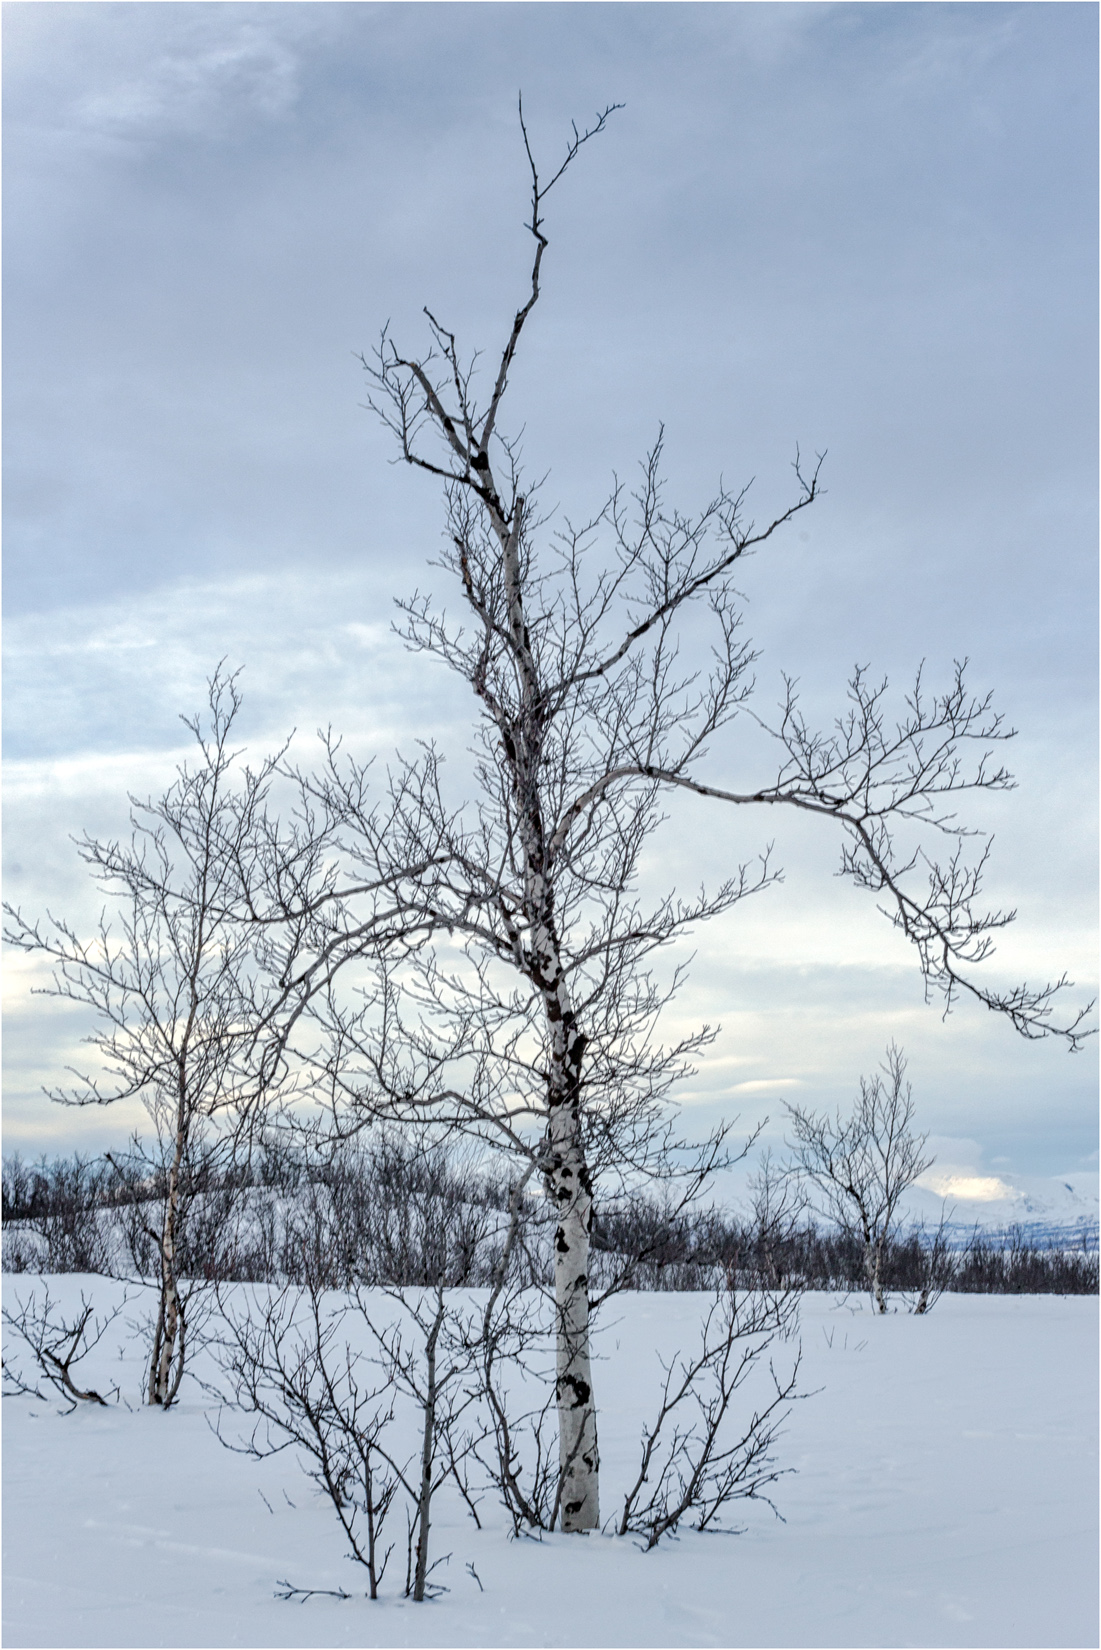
(867, 228)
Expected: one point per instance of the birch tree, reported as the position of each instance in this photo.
(862, 1166)
(222, 922)
(181, 1007)
(543, 1035)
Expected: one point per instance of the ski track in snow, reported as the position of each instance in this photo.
(944, 1493)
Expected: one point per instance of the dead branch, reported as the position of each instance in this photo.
(58, 1345)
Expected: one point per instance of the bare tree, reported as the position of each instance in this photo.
(59, 1208)
(862, 1165)
(534, 1019)
(779, 1207)
(182, 1002)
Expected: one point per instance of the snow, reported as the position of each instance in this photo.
(1051, 1210)
(944, 1493)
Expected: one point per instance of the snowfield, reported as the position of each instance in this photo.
(944, 1493)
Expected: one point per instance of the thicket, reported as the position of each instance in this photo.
(381, 1213)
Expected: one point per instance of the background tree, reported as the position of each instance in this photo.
(182, 1002)
(537, 1026)
(862, 1166)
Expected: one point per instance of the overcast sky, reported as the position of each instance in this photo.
(867, 228)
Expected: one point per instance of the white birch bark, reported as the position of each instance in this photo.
(579, 1460)
(567, 1172)
(168, 1342)
(162, 1387)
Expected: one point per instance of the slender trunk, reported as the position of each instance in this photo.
(571, 1188)
(424, 1500)
(371, 1567)
(158, 1338)
(873, 1266)
(163, 1384)
(372, 1527)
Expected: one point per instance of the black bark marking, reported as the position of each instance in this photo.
(582, 1391)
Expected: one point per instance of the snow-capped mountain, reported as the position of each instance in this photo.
(1050, 1209)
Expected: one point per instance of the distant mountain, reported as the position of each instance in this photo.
(1051, 1210)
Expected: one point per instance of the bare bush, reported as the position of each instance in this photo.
(287, 1367)
(392, 1212)
(778, 1211)
(523, 1460)
(1011, 1263)
(524, 1463)
(57, 1206)
(430, 1369)
(697, 1459)
(291, 1363)
(931, 1265)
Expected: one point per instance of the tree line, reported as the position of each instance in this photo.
(384, 1216)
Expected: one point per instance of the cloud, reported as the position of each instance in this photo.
(250, 72)
(763, 1085)
(972, 1187)
(822, 222)
(114, 676)
(95, 77)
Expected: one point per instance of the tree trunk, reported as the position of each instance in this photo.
(424, 1500)
(579, 1462)
(567, 1173)
(571, 1188)
(163, 1385)
(873, 1265)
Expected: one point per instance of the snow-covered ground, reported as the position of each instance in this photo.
(944, 1493)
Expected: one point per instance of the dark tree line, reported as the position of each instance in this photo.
(384, 1214)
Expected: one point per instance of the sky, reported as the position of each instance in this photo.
(865, 229)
